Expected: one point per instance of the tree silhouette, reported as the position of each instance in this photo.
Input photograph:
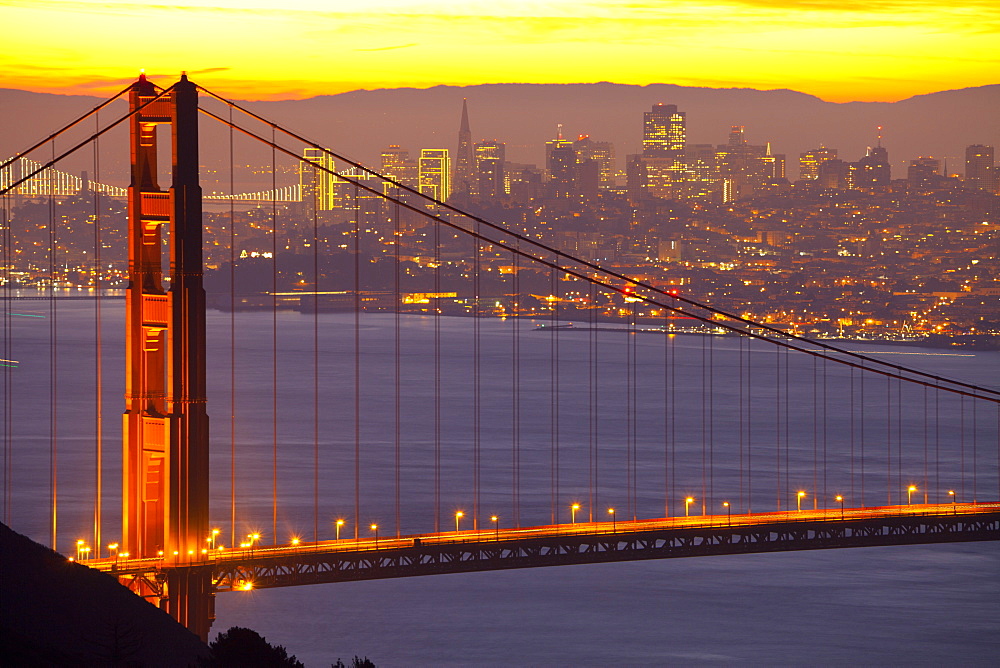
(244, 648)
(356, 663)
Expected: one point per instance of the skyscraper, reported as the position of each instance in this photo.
(661, 164)
(396, 164)
(980, 169)
(560, 163)
(810, 161)
(490, 156)
(318, 186)
(463, 179)
(603, 152)
(434, 173)
(923, 173)
(664, 132)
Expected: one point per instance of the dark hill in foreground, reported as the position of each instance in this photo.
(57, 613)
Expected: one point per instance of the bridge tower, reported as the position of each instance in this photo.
(165, 465)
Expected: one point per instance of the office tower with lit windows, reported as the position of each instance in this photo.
(490, 157)
(980, 168)
(560, 164)
(463, 177)
(664, 132)
(660, 167)
(602, 152)
(319, 192)
(923, 173)
(810, 161)
(397, 165)
(434, 172)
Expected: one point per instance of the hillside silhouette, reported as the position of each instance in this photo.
(54, 612)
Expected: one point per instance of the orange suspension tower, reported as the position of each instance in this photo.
(165, 467)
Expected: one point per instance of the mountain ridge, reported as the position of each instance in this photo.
(361, 123)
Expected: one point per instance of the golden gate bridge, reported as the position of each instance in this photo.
(745, 439)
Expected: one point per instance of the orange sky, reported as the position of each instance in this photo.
(839, 50)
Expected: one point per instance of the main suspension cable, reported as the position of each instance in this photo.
(588, 265)
(823, 350)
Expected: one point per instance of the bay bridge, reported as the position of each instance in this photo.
(359, 439)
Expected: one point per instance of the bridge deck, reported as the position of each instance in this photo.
(580, 543)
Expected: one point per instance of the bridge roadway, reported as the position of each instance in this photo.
(497, 548)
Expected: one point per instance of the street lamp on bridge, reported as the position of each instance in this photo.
(687, 506)
(840, 499)
(954, 499)
(496, 526)
(458, 517)
(339, 523)
(572, 510)
(909, 493)
(798, 501)
(374, 527)
(729, 513)
(611, 511)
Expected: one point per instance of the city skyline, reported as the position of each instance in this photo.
(839, 52)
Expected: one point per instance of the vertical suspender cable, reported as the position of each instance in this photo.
(975, 443)
(888, 439)
(553, 412)
(397, 398)
(667, 341)
(98, 350)
(787, 426)
(437, 377)
(926, 441)
(706, 419)
(7, 362)
(516, 386)
(315, 365)
(854, 499)
(232, 337)
(633, 339)
(357, 364)
(476, 401)
(750, 416)
(742, 425)
(274, 344)
(53, 360)
(815, 436)
(711, 423)
(937, 437)
(861, 407)
(826, 491)
(777, 426)
(673, 413)
(592, 401)
(556, 388)
(961, 446)
(899, 432)
(629, 403)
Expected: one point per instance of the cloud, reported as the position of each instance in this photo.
(209, 70)
(389, 48)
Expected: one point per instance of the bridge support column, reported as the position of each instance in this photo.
(165, 448)
(190, 598)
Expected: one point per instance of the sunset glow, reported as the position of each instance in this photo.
(839, 50)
